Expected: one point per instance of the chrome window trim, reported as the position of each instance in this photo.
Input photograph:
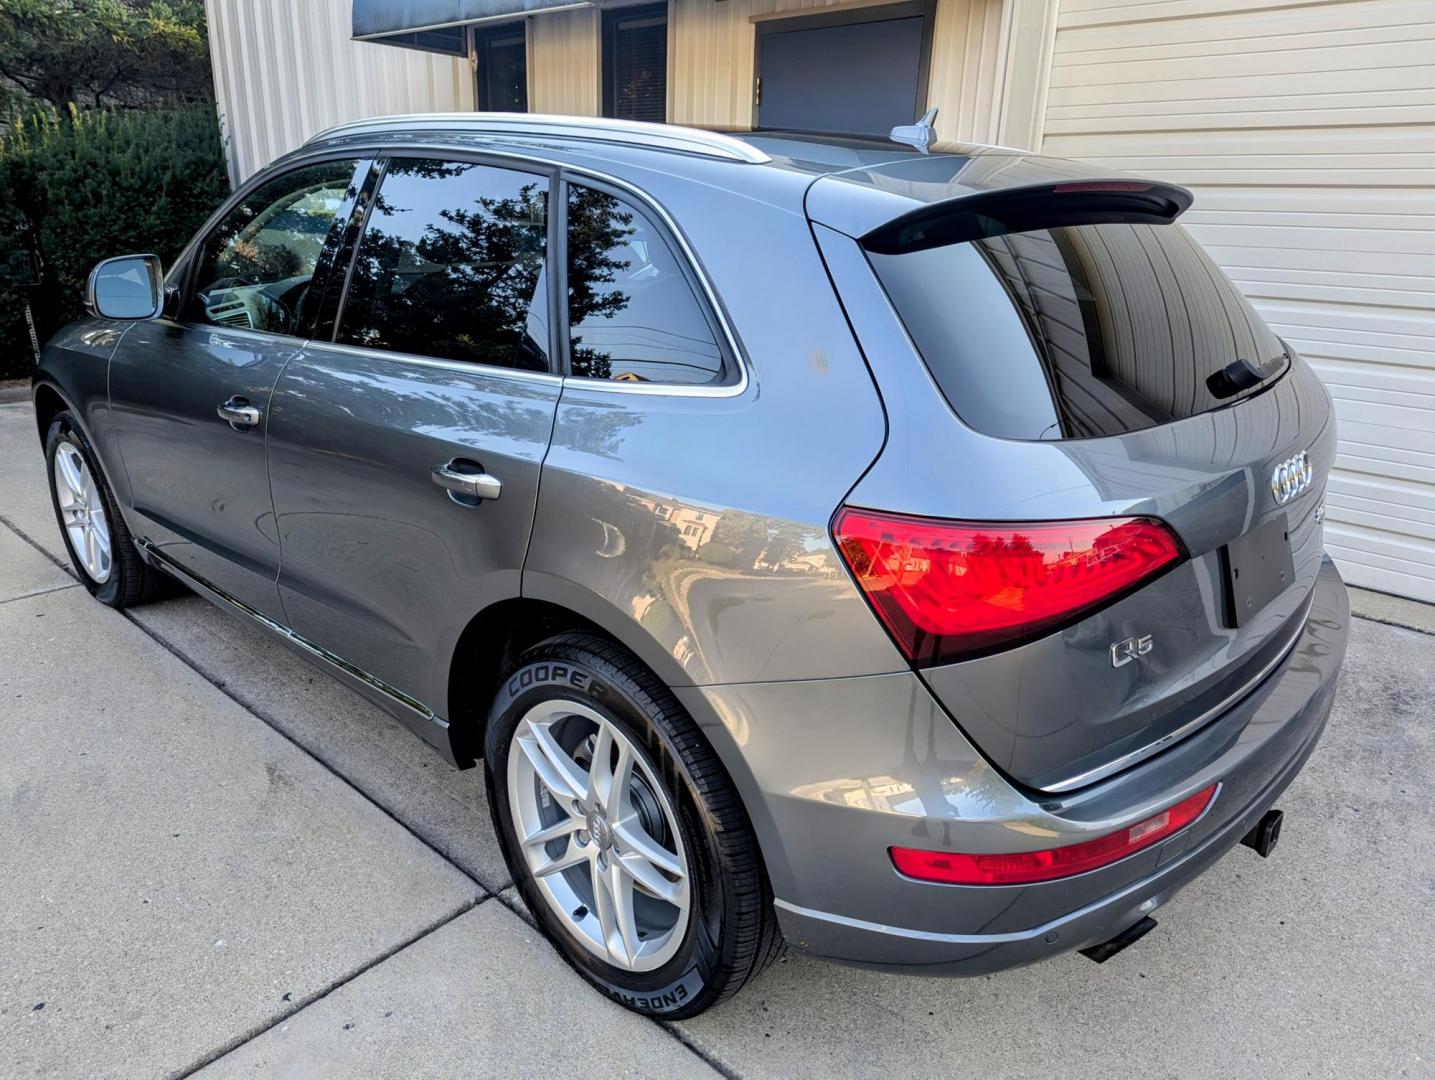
(733, 388)
(736, 388)
(592, 128)
(467, 367)
(380, 160)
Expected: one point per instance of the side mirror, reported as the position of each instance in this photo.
(127, 287)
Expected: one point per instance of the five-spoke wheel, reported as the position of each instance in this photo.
(104, 554)
(622, 831)
(82, 513)
(599, 834)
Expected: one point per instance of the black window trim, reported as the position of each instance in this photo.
(733, 373)
(551, 254)
(186, 267)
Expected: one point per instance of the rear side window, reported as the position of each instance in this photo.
(1080, 331)
(633, 315)
(451, 265)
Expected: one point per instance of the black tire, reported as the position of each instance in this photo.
(733, 934)
(132, 580)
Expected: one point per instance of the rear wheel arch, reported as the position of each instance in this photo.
(486, 649)
(496, 636)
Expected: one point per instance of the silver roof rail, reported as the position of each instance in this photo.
(599, 129)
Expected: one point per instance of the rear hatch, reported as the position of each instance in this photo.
(1095, 366)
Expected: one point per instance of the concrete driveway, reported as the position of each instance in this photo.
(213, 858)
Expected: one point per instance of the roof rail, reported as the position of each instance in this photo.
(598, 129)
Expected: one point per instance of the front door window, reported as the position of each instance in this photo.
(256, 266)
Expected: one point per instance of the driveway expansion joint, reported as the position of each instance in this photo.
(39, 592)
(303, 1003)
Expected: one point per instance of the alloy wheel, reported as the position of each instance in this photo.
(599, 835)
(82, 511)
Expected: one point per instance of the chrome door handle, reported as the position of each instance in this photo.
(241, 415)
(465, 481)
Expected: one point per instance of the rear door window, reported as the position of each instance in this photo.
(633, 313)
(452, 265)
(1080, 331)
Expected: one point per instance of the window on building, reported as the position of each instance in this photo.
(633, 315)
(451, 265)
(256, 266)
(502, 56)
(635, 63)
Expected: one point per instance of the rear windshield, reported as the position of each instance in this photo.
(1080, 331)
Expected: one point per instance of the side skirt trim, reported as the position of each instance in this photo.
(431, 727)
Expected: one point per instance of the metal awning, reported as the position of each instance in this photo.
(439, 25)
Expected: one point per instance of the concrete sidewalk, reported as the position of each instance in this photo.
(212, 857)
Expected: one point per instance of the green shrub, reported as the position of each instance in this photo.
(95, 184)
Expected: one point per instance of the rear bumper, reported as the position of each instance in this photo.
(925, 952)
(911, 783)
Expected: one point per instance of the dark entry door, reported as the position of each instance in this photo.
(502, 69)
(846, 77)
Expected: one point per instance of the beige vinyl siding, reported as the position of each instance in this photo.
(1307, 131)
(285, 70)
(564, 63)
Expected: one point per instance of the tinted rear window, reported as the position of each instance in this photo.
(1082, 331)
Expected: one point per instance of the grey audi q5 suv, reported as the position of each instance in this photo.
(910, 554)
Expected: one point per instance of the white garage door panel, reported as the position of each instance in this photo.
(1374, 499)
(1307, 131)
(1197, 86)
(1125, 118)
(1237, 64)
(1256, 31)
(1382, 383)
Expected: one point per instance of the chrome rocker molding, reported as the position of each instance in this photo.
(417, 716)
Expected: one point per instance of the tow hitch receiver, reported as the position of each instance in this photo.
(1132, 934)
(1264, 836)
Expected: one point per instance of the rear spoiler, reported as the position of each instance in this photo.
(1021, 209)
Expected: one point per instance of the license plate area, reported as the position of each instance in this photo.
(1258, 567)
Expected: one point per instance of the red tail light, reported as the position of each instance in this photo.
(952, 589)
(1026, 867)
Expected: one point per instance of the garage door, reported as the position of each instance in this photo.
(1307, 131)
(849, 77)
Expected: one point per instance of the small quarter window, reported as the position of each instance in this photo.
(256, 267)
(451, 265)
(632, 313)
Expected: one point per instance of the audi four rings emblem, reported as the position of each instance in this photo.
(1291, 477)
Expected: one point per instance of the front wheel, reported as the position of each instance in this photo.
(103, 553)
(623, 833)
